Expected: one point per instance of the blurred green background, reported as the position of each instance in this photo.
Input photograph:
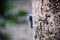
(13, 22)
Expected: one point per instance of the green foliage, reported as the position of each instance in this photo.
(4, 6)
(8, 6)
(13, 19)
(7, 37)
(8, 17)
(2, 25)
(22, 13)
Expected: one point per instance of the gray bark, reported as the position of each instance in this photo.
(46, 19)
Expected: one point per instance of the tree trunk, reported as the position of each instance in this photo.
(46, 19)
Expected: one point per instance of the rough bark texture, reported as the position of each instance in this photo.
(46, 19)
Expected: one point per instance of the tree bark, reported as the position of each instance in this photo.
(46, 19)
